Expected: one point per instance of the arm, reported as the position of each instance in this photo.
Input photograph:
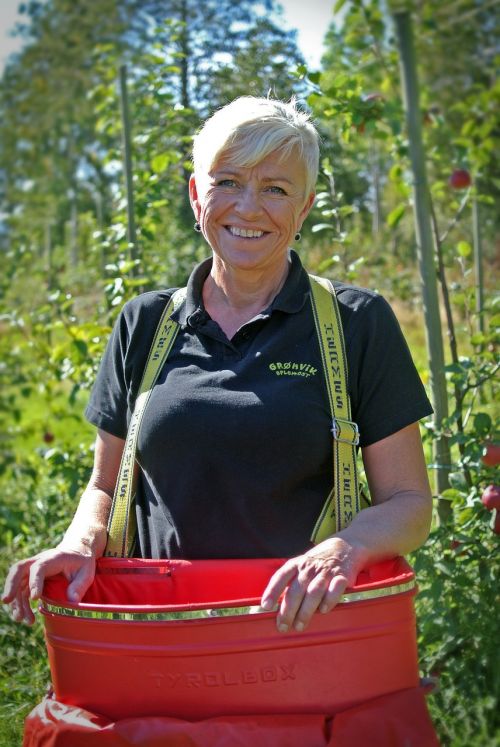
(83, 542)
(396, 523)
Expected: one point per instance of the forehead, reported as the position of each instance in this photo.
(286, 167)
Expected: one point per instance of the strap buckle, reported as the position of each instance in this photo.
(345, 431)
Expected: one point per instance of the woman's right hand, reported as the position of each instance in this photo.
(83, 542)
(26, 578)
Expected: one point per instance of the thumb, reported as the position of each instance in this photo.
(80, 583)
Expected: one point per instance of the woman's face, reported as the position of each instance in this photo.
(249, 215)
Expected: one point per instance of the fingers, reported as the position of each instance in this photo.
(299, 603)
(36, 578)
(19, 611)
(30, 574)
(81, 582)
(303, 599)
(26, 579)
(307, 594)
(310, 583)
(15, 579)
(23, 610)
(336, 588)
(16, 592)
(47, 563)
(277, 584)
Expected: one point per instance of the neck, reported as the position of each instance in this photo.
(233, 298)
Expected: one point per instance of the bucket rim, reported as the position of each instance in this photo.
(174, 613)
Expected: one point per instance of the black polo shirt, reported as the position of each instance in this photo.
(235, 448)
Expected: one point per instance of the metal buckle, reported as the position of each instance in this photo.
(337, 431)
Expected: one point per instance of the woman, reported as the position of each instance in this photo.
(234, 452)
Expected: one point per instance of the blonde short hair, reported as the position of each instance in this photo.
(248, 129)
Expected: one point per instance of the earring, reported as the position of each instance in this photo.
(298, 236)
(197, 227)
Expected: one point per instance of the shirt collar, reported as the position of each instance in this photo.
(290, 299)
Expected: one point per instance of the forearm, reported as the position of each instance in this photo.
(395, 527)
(87, 532)
(400, 517)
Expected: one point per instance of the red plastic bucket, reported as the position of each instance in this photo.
(121, 653)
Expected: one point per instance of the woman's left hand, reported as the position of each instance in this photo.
(397, 522)
(313, 581)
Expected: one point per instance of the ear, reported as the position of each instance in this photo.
(193, 196)
(306, 209)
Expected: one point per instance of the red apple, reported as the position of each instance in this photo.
(460, 179)
(491, 456)
(491, 497)
(457, 547)
(48, 437)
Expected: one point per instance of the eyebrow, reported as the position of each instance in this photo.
(228, 172)
(277, 179)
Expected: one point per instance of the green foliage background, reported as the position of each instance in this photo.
(68, 266)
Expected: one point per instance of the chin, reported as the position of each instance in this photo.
(252, 257)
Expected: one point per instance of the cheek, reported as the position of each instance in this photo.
(290, 218)
(209, 208)
(210, 212)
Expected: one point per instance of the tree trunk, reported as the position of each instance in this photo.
(127, 168)
(48, 254)
(478, 263)
(184, 62)
(185, 213)
(425, 256)
(377, 208)
(73, 230)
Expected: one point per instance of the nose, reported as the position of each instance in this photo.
(248, 204)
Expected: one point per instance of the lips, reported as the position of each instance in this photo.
(245, 233)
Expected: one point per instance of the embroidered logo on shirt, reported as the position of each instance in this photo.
(289, 368)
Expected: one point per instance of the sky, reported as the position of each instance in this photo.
(310, 17)
(8, 17)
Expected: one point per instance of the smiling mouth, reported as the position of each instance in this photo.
(244, 233)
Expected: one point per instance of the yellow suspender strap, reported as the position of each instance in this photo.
(343, 503)
(121, 523)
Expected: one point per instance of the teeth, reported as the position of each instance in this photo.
(246, 233)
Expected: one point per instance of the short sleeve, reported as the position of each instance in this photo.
(107, 407)
(121, 368)
(387, 393)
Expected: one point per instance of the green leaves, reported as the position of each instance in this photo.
(160, 162)
(339, 5)
(322, 227)
(464, 249)
(395, 215)
(482, 424)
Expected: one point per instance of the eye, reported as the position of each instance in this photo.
(274, 189)
(226, 183)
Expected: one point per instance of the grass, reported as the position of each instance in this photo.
(50, 417)
(25, 676)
